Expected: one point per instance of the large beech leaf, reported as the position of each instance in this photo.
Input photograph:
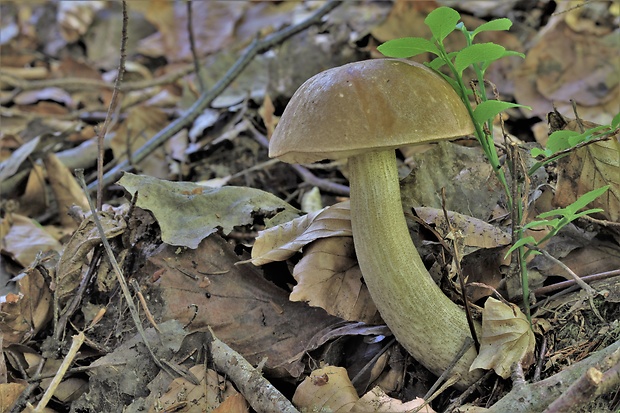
(187, 213)
(328, 277)
(506, 338)
(283, 241)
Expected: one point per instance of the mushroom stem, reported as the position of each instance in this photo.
(427, 323)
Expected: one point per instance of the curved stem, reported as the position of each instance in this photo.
(427, 323)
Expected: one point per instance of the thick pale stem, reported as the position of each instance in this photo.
(427, 323)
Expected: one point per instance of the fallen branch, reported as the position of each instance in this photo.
(257, 390)
(536, 397)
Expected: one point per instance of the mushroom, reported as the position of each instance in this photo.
(363, 111)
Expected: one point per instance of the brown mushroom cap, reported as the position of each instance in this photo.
(370, 105)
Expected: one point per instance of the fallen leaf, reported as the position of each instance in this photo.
(26, 307)
(66, 189)
(476, 232)
(589, 168)
(283, 241)
(377, 401)
(207, 287)
(506, 338)
(141, 124)
(187, 213)
(327, 389)
(26, 238)
(328, 277)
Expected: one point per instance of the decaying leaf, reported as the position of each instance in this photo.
(26, 307)
(66, 189)
(506, 338)
(24, 238)
(327, 389)
(283, 241)
(212, 391)
(187, 213)
(590, 168)
(83, 240)
(476, 232)
(377, 401)
(328, 277)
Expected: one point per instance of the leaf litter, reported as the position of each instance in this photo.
(187, 245)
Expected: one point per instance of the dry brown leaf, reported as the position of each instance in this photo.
(141, 124)
(248, 312)
(214, 25)
(26, 309)
(327, 389)
(589, 168)
(26, 238)
(506, 338)
(75, 17)
(283, 241)
(476, 233)
(328, 277)
(565, 65)
(377, 401)
(66, 189)
(9, 393)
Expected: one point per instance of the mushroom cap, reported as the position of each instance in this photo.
(366, 106)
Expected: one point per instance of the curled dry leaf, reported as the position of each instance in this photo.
(506, 338)
(327, 389)
(328, 277)
(283, 241)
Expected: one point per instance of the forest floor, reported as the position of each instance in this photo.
(234, 285)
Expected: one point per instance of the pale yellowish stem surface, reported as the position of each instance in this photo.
(427, 323)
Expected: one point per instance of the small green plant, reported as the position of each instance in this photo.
(479, 56)
(561, 142)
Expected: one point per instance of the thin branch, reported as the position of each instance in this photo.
(102, 131)
(256, 47)
(192, 46)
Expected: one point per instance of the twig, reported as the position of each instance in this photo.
(260, 394)
(66, 363)
(457, 263)
(205, 99)
(591, 291)
(73, 84)
(569, 283)
(591, 383)
(303, 172)
(535, 397)
(192, 46)
(102, 131)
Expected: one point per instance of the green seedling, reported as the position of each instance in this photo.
(478, 57)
